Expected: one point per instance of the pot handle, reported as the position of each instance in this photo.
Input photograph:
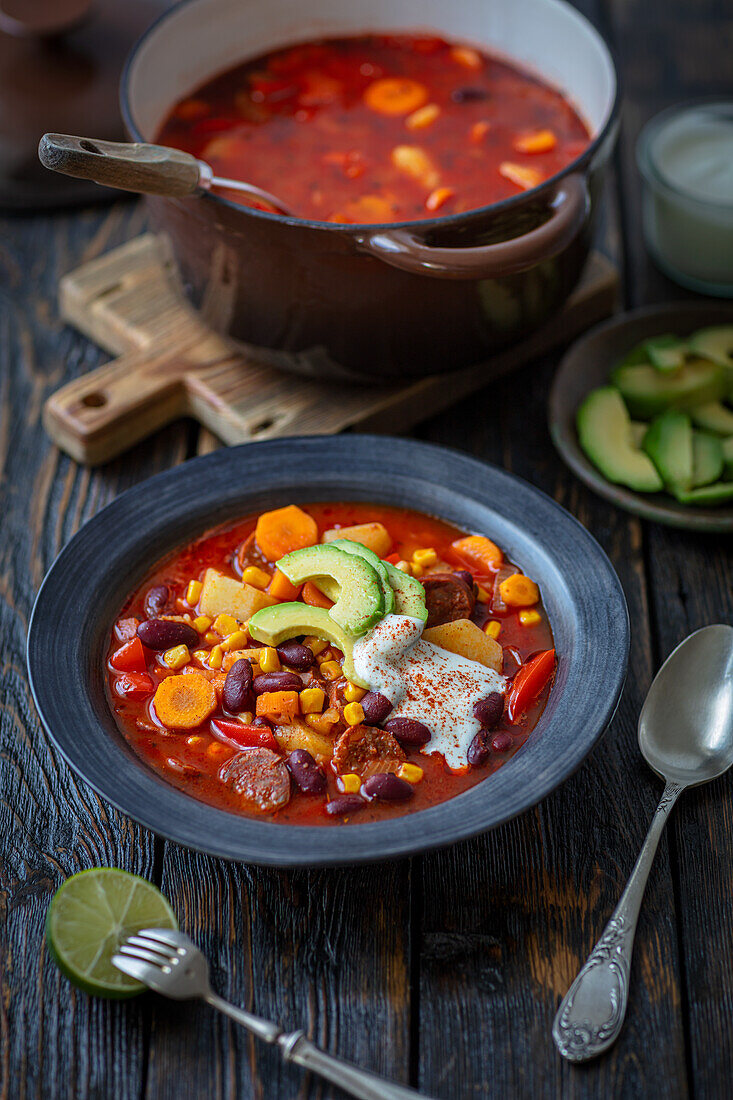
(404, 248)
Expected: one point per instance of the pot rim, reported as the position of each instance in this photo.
(427, 224)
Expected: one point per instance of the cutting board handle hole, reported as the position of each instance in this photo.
(94, 400)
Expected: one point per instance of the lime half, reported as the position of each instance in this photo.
(90, 916)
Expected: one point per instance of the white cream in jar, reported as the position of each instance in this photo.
(426, 683)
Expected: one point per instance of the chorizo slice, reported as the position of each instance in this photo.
(366, 750)
(259, 776)
(447, 597)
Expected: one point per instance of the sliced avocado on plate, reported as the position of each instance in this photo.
(713, 416)
(709, 495)
(715, 343)
(638, 431)
(276, 624)
(727, 446)
(409, 594)
(364, 552)
(669, 445)
(360, 602)
(666, 353)
(649, 392)
(707, 459)
(605, 434)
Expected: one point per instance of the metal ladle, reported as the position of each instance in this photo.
(138, 166)
(686, 737)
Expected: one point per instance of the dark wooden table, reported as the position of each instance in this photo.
(443, 971)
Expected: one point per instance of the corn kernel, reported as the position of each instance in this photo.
(269, 660)
(201, 624)
(331, 670)
(258, 578)
(211, 637)
(353, 693)
(529, 618)
(482, 595)
(200, 656)
(520, 175)
(321, 723)
(354, 714)
(315, 645)
(422, 117)
(312, 700)
(350, 783)
(234, 641)
(177, 657)
(493, 628)
(196, 739)
(193, 592)
(425, 557)
(246, 716)
(411, 773)
(216, 657)
(217, 749)
(464, 55)
(404, 567)
(416, 569)
(225, 624)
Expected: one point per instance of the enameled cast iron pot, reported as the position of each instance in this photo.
(391, 301)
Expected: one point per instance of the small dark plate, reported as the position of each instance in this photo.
(588, 364)
(90, 580)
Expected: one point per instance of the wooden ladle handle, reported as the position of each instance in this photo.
(131, 166)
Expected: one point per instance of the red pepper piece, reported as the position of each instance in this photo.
(241, 736)
(130, 657)
(134, 685)
(529, 682)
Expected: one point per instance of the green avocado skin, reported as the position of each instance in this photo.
(360, 602)
(707, 459)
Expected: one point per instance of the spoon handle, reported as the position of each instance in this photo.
(590, 1016)
(128, 165)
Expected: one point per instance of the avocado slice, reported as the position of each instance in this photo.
(714, 343)
(276, 624)
(666, 353)
(648, 392)
(709, 495)
(360, 602)
(714, 417)
(669, 445)
(707, 458)
(604, 432)
(409, 594)
(364, 552)
(638, 431)
(727, 446)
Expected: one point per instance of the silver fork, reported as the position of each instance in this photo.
(171, 964)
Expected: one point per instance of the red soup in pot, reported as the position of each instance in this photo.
(379, 128)
(331, 663)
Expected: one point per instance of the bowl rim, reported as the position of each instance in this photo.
(542, 190)
(67, 694)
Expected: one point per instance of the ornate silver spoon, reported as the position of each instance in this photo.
(686, 737)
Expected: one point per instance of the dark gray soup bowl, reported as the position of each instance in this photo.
(85, 588)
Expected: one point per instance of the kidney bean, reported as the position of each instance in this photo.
(305, 772)
(376, 707)
(408, 731)
(466, 577)
(155, 600)
(276, 681)
(346, 804)
(468, 95)
(501, 742)
(237, 694)
(296, 655)
(488, 711)
(165, 633)
(260, 720)
(479, 749)
(388, 787)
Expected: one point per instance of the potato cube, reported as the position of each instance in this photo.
(300, 736)
(374, 536)
(465, 638)
(222, 595)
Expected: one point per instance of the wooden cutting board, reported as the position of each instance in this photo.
(169, 364)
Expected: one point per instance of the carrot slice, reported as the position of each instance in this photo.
(480, 552)
(315, 597)
(285, 529)
(395, 95)
(538, 141)
(281, 588)
(183, 702)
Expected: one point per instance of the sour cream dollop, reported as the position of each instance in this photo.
(427, 683)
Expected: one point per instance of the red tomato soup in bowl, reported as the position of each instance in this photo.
(379, 128)
(331, 663)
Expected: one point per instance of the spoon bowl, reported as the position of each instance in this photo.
(686, 723)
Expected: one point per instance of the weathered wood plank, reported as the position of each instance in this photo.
(55, 1042)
